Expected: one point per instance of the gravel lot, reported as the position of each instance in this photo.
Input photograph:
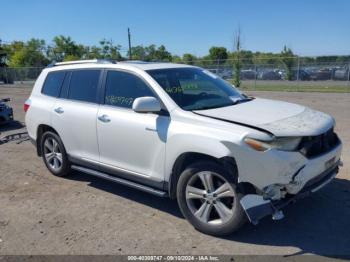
(43, 214)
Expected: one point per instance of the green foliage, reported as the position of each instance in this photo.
(176, 59)
(189, 59)
(3, 56)
(27, 54)
(150, 53)
(35, 53)
(218, 54)
(64, 47)
(288, 59)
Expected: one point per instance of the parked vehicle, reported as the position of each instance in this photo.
(248, 74)
(300, 75)
(341, 74)
(6, 112)
(321, 74)
(223, 73)
(269, 75)
(181, 131)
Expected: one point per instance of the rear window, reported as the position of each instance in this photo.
(53, 83)
(83, 85)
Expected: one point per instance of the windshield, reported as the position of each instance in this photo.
(195, 88)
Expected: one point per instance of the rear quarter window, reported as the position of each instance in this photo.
(53, 83)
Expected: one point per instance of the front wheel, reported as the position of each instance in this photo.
(54, 154)
(209, 200)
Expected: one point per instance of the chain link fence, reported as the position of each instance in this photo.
(22, 76)
(263, 74)
(302, 75)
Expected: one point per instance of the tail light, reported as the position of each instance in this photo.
(26, 105)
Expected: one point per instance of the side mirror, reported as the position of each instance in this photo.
(146, 104)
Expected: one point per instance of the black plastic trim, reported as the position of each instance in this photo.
(159, 185)
(120, 181)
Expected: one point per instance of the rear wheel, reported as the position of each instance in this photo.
(208, 198)
(54, 154)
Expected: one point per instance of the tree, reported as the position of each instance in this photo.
(65, 48)
(287, 58)
(237, 59)
(161, 54)
(219, 54)
(29, 54)
(138, 52)
(109, 51)
(150, 53)
(3, 56)
(189, 59)
(176, 59)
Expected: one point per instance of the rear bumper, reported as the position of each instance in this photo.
(256, 207)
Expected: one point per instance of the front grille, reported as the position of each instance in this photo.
(312, 146)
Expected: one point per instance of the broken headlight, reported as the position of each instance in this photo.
(281, 143)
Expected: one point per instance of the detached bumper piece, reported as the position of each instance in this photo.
(256, 207)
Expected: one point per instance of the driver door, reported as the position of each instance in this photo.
(131, 144)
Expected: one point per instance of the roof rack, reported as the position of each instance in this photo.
(77, 62)
(136, 62)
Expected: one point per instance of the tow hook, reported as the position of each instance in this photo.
(278, 215)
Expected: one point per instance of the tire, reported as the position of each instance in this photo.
(54, 154)
(206, 211)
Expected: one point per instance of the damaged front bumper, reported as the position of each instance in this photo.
(256, 207)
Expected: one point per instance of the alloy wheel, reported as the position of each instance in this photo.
(210, 197)
(53, 154)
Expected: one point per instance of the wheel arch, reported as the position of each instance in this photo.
(42, 128)
(187, 158)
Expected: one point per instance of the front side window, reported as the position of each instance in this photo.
(123, 88)
(84, 85)
(53, 83)
(195, 88)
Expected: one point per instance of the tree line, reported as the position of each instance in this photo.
(36, 53)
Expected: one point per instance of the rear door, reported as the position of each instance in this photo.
(74, 114)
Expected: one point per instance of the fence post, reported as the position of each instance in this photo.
(256, 76)
(298, 68)
(6, 76)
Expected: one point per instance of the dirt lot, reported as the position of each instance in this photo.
(43, 214)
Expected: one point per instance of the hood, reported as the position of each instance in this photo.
(277, 117)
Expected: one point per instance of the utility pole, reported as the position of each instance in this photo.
(129, 38)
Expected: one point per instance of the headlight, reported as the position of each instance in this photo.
(282, 143)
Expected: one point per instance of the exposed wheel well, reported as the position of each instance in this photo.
(41, 130)
(188, 158)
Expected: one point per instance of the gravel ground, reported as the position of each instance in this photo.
(43, 214)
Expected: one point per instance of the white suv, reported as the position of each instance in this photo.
(181, 131)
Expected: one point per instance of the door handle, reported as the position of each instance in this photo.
(104, 118)
(59, 110)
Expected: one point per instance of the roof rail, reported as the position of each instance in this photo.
(77, 62)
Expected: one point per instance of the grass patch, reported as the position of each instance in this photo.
(333, 89)
(294, 86)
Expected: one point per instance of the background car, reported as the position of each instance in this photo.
(6, 112)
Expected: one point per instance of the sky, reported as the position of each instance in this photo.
(308, 27)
